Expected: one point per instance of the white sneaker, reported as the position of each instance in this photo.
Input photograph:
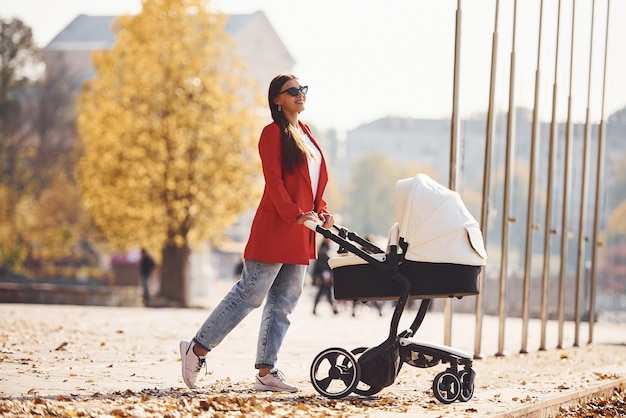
(191, 363)
(273, 381)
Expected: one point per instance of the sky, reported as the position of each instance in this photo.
(367, 59)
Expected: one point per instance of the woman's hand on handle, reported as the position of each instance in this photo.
(327, 220)
(308, 216)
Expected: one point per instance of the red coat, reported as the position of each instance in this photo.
(276, 236)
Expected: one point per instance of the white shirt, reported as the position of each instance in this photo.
(315, 164)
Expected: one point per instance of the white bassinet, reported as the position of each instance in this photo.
(443, 248)
(436, 225)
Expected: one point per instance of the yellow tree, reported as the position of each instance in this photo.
(169, 135)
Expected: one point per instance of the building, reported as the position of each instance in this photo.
(258, 45)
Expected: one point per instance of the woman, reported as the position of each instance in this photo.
(280, 247)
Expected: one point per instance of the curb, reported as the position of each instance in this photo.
(551, 407)
(70, 294)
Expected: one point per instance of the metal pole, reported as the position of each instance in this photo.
(598, 197)
(566, 186)
(507, 191)
(454, 141)
(549, 198)
(530, 225)
(484, 217)
(583, 195)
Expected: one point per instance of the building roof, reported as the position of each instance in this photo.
(235, 23)
(90, 33)
(85, 32)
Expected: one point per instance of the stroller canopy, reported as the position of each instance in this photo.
(436, 225)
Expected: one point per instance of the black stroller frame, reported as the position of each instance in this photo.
(337, 372)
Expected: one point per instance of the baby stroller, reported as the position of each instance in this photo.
(435, 251)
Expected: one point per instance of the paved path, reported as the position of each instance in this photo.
(58, 351)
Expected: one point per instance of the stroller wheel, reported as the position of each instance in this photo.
(446, 387)
(335, 373)
(363, 388)
(467, 385)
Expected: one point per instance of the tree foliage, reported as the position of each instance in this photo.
(36, 150)
(17, 50)
(17, 53)
(619, 116)
(616, 226)
(370, 207)
(169, 137)
(616, 190)
(612, 264)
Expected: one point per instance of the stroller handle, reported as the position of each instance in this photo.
(311, 224)
(316, 226)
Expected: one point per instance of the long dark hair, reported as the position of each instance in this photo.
(292, 145)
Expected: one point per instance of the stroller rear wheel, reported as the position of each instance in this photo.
(335, 373)
(446, 387)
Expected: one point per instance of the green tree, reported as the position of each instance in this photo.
(370, 205)
(169, 136)
(17, 51)
(619, 116)
(616, 190)
(36, 148)
(612, 263)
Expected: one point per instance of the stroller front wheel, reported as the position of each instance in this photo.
(335, 373)
(446, 387)
(467, 385)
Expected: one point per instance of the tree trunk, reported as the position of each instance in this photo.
(175, 274)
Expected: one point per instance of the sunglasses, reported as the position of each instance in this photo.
(294, 91)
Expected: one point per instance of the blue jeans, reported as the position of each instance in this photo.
(281, 283)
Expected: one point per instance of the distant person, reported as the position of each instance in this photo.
(279, 248)
(323, 277)
(146, 267)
